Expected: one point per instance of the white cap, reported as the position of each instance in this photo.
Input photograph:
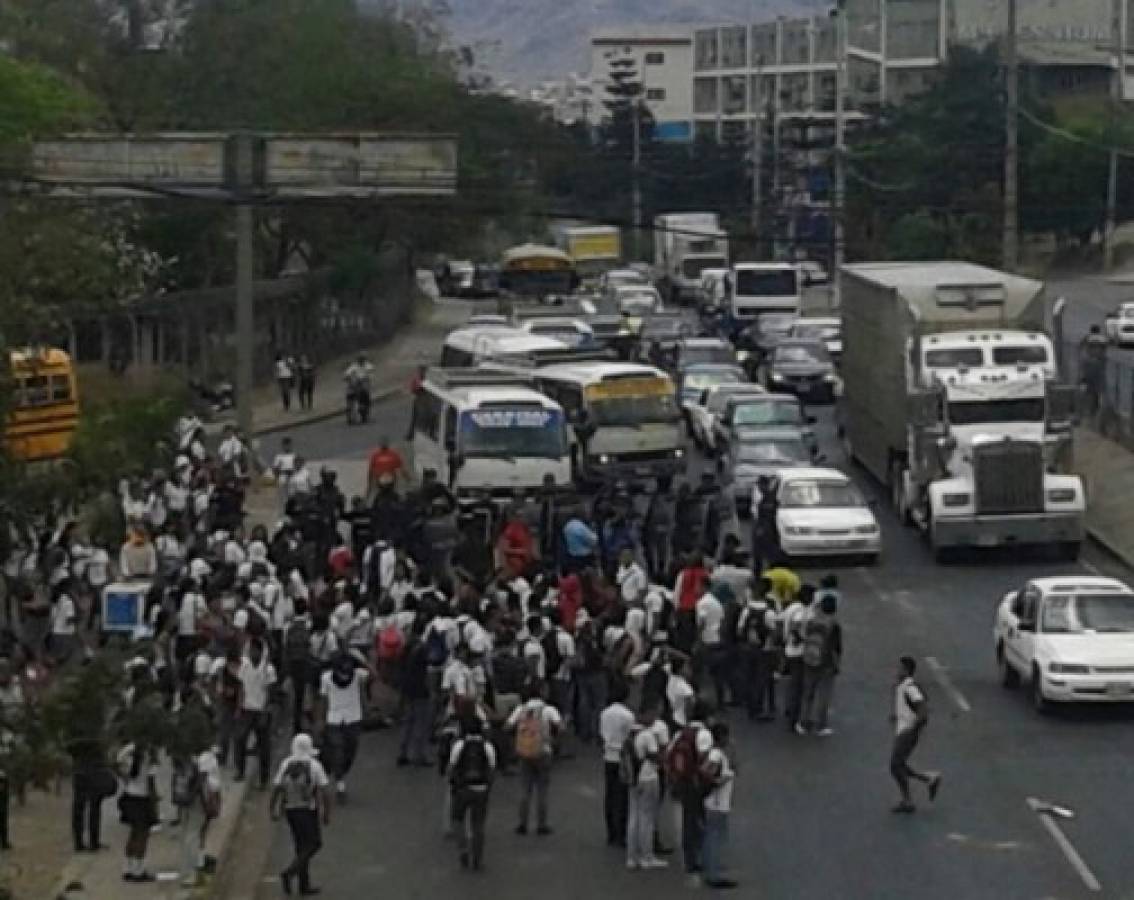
(704, 741)
(303, 747)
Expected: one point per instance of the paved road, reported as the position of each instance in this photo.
(811, 817)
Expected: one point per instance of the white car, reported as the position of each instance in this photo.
(571, 332)
(636, 300)
(828, 331)
(703, 414)
(1120, 325)
(822, 513)
(617, 277)
(1069, 638)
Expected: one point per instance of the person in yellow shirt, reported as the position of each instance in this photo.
(785, 585)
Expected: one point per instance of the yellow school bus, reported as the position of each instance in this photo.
(43, 408)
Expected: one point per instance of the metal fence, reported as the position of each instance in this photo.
(1111, 413)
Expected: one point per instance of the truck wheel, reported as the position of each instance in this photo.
(1040, 703)
(1009, 677)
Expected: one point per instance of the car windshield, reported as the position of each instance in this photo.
(766, 283)
(616, 412)
(712, 354)
(950, 359)
(780, 451)
(1088, 613)
(509, 432)
(815, 494)
(988, 411)
(775, 324)
(698, 381)
(572, 337)
(767, 412)
(1015, 356)
(720, 399)
(801, 354)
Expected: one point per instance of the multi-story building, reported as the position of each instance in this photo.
(662, 58)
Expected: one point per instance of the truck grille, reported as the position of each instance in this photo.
(1009, 478)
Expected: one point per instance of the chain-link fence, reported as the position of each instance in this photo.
(1108, 407)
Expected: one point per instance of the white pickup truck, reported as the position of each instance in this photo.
(1120, 325)
(706, 410)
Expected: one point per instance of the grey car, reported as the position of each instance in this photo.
(760, 454)
(803, 368)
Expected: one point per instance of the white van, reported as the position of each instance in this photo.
(759, 288)
(467, 347)
(482, 430)
(633, 412)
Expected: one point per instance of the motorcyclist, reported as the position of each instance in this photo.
(357, 377)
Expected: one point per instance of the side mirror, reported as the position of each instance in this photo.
(1026, 625)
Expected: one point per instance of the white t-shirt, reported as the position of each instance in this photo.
(283, 368)
(344, 704)
(284, 466)
(906, 695)
(230, 449)
(793, 618)
(256, 680)
(209, 769)
(459, 680)
(139, 785)
(680, 695)
(98, 568)
(646, 744)
(632, 582)
(190, 611)
(300, 482)
(719, 799)
(615, 723)
(176, 497)
(342, 619)
(710, 617)
(535, 657)
(63, 616)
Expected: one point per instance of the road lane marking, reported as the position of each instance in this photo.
(1043, 810)
(942, 675)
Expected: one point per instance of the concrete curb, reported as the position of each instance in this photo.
(302, 421)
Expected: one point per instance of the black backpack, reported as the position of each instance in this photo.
(756, 630)
(590, 654)
(472, 768)
(553, 659)
(509, 673)
(297, 644)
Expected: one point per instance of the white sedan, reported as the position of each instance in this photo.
(822, 513)
(704, 413)
(1069, 638)
(1120, 325)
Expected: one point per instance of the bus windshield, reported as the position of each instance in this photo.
(629, 402)
(513, 431)
(766, 283)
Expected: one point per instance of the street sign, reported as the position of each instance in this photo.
(168, 160)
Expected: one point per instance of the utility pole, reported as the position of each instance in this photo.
(840, 192)
(1112, 158)
(757, 177)
(1011, 240)
(244, 177)
(637, 164)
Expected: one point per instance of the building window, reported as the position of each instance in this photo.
(657, 94)
(734, 48)
(705, 50)
(735, 100)
(655, 59)
(705, 95)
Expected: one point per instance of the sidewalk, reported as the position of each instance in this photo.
(41, 863)
(1108, 474)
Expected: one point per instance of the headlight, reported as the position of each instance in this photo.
(603, 459)
(1069, 669)
(742, 356)
(956, 499)
(830, 378)
(866, 529)
(678, 453)
(792, 529)
(1061, 495)
(776, 376)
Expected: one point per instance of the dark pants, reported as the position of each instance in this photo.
(299, 671)
(905, 743)
(470, 810)
(713, 660)
(306, 392)
(308, 840)
(4, 788)
(416, 728)
(535, 776)
(793, 702)
(227, 716)
(342, 747)
(86, 810)
(692, 829)
(258, 723)
(285, 391)
(615, 802)
(592, 700)
(657, 555)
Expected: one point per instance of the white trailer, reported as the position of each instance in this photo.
(685, 244)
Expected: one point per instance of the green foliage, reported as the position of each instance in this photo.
(36, 101)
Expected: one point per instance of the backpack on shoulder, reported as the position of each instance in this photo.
(472, 768)
(629, 764)
(529, 735)
(816, 638)
(298, 785)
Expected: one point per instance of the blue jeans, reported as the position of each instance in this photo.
(716, 839)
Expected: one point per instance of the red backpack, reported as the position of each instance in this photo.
(391, 643)
(681, 759)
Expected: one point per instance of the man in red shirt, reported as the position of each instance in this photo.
(384, 462)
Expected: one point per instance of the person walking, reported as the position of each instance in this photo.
(642, 773)
(822, 655)
(909, 717)
(472, 765)
(257, 677)
(305, 369)
(285, 378)
(755, 633)
(615, 725)
(721, 778)
(536, 725)
(792, 620)
(341, 690)
(138, 805)
(302, 796)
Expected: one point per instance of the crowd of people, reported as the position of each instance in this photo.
(496, 637)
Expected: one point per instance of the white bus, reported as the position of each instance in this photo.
(481, 430)
(631, 411)
(467, 347)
